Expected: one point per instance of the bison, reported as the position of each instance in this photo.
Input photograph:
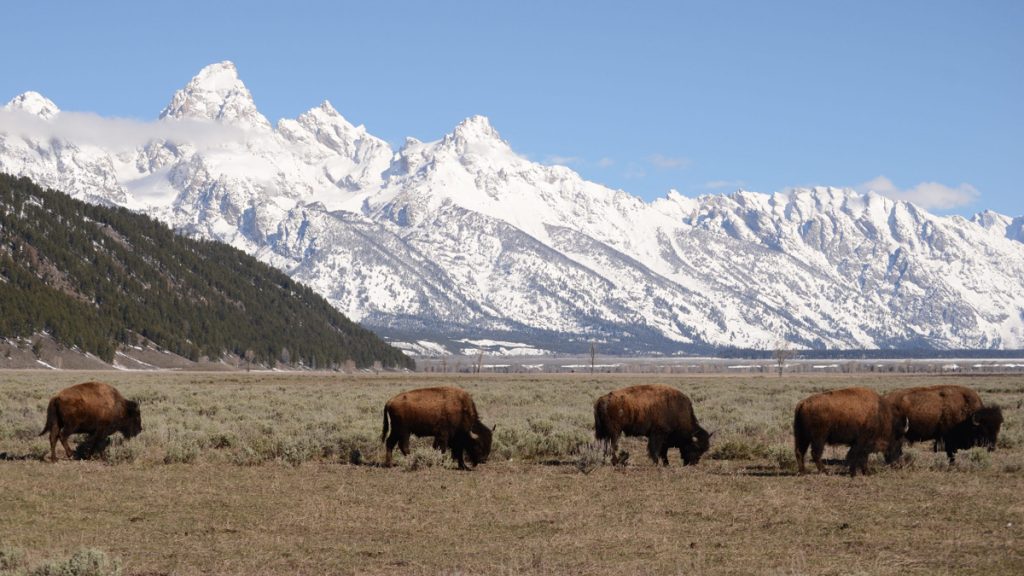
(856, 417)
(979, 429)
(663, 414)
(446, 413)
(93, 408)
(935, 411)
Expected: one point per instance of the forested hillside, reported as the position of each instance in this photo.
(96, 278)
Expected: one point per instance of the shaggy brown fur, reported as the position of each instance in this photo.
(91, 408)
(446, 413)
(934, 410)
(980, 429)
(663, 414)
(855, 417)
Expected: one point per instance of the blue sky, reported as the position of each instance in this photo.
(924, 100)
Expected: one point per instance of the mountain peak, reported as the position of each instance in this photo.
(326, 119)
(475, 129)
(34, 103)
(216, 93)
(476, 136)
(329, 108)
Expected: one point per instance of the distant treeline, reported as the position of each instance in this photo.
(96, 277)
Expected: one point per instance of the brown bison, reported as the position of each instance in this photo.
(856, 417)
(934, 412)
(663, 414)
(446, 413)
(979, 429)
(91, 408)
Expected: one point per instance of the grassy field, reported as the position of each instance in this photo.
(249, 474)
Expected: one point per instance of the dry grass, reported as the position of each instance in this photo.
(246, 474)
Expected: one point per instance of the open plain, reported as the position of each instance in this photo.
(252, 473)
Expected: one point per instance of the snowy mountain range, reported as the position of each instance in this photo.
(453, 242)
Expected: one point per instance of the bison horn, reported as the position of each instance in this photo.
(494, 428)
(974, 419)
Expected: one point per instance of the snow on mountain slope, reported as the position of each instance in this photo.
(463, 238)
(81, 170)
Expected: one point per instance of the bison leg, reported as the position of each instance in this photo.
(817, 449)
(390, 444)
(800, 445)
(857, 457)
(458, 450)
(664, 453)
(611, 446)
(441, 442)
(54, 435)
(64, 435)
(655, 443)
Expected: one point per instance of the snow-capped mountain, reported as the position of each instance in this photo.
(462, 238)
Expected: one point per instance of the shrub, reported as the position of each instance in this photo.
(1008, 441)
(784, 458)
(89, 562)
(588, 457)
(181, 450)
(974, 459)
(11, 558)
(739, 450)
(121, 452)
(221, 440)
(297, 450)
(425, 458)
(255, 449)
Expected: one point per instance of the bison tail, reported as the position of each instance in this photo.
(600, 420)
(800, 440)
(384, 431)
(52, 417)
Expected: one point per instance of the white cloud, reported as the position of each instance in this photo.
(927, 195)
(634, 171)
(116, 133)
(605, 162)
(563, 160)
(720, 184)
(669, 163)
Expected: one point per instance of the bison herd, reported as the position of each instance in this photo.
(952, 417)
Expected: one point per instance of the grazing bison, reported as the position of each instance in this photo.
(856, 417)
(663, 414)
(979, 429)
(934, 410)
(446, 413)
(92, 408)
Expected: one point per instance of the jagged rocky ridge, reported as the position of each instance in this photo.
(463, 239)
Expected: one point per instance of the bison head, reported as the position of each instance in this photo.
(479, 447)
(986, 423)
(694, 446)
(131, 426)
